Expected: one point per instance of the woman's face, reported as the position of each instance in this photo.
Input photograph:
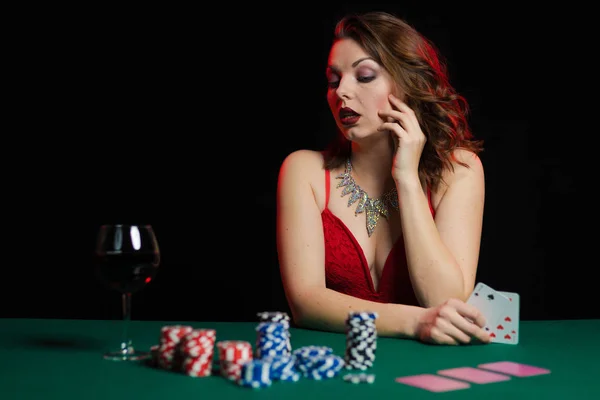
(358, 87)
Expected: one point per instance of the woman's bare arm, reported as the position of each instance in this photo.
(443, 253)
(301, 252)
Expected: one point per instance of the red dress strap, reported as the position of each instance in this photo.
(326, 188)
(429, 201)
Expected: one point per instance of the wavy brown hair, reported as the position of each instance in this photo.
(420, 72)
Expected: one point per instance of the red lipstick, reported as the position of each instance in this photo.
(348, 116)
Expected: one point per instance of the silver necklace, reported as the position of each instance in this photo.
(373, 208)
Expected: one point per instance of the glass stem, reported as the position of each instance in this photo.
(126, 345)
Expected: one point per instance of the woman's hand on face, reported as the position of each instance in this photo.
(450, 324)
(404, 127)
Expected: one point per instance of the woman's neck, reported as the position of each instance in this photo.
(372, 166)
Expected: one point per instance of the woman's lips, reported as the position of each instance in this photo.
(348, 116)
(349, 119)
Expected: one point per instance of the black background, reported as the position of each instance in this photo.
(180, 118)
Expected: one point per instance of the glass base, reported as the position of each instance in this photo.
(131, 355)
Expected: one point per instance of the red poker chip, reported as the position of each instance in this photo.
(174, 333)
(196, 351)
(234, 350)
(197, 366)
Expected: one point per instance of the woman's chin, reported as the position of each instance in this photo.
(357, 134)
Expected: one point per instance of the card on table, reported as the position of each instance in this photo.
(515, 369)
(474, 375)
(433, 383)
(499, 312)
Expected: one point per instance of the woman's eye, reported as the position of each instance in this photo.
(333, 83)
(365, 79)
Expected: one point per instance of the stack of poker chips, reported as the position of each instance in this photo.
(283, 368)
(272, 339)
(165, 354)
(233, 354)
(194, 354)
(318, 362)
(361, 340)
(277, 317)
(255, 374)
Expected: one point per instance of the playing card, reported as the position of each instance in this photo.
(433, 383)
(493, 305)
(507, 327)
(473, 375)
(513, 368)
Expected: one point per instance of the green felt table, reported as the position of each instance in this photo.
(62, 359)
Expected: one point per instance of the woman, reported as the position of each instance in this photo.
(389, 218)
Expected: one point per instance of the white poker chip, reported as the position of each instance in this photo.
(359, 378)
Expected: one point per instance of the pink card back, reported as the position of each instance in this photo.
(515, 369)
(473, 375)
(433, 383)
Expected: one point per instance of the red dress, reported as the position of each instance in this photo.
(347, 270)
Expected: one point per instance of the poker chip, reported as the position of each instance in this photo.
(197, 366)
(312, 351)
(272, 339)
(280, 318)
(194, 352)
(255, 374)
(317, 362)
(233, 354)
(274, 316)
(283, 368)
(361, 340)
(325, 367)
(173, 333)
(170, 336)
(359, 378)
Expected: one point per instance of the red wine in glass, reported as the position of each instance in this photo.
(127, 258)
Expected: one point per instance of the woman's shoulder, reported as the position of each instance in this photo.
(466, 166)
(466, 159)
(303, 163)
(303, 173)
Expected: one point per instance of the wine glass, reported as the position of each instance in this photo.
(127, 257)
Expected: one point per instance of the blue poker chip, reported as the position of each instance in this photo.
(326, 367)
(255, 374)
(320, 366)
(266, 346)
(272, 339)
(282, 366)
(270, 327)
(291, 377)
(312, 351)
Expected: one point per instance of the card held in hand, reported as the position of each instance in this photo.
(507, 329)
(498, 311)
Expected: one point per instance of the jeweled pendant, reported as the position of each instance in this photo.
(373, 208)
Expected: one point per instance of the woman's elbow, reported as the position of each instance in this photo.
(301, 307)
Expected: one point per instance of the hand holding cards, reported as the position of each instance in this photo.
(501, 311)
